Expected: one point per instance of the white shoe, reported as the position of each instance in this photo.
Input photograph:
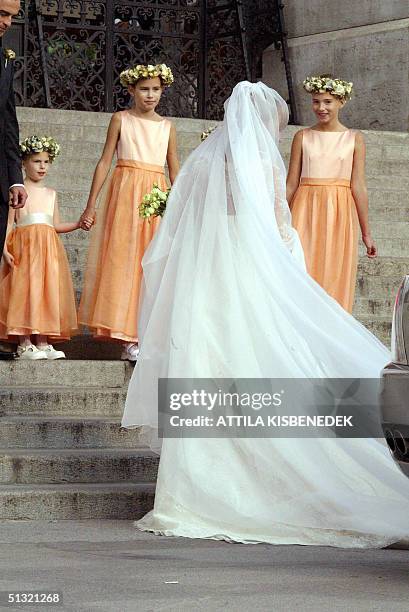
(30, 352)
(51, 353)
(130, 352)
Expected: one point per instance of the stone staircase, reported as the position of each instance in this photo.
(62, 452)
(82, 135)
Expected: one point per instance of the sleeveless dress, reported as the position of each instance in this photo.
(110, 298)
(324, 212)
(37, 295)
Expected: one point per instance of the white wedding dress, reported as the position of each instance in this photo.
(227, 296)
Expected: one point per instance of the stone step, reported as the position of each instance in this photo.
(68, 161)
(390, 146)
(60, 466)
(67, 119)
(62, 401)
(84, 346)
(391, 229)
(20, 432)
(395, 246)
(61, 373)
(368, 307)
(379, 174)
(384, 266)
(392, 244)
(377, 287)
(392, 237)
(76, 501)
(380, 201)
(92, 139)
(378, 325)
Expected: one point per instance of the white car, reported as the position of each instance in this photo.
(394, 398)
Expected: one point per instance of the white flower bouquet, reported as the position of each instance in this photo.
(154, 203)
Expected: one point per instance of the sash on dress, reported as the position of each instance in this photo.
(35, 218)
(138, 165)
(329, 182)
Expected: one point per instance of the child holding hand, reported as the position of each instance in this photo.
(37, 302)
(143, 141)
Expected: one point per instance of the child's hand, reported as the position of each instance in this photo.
(9, 259)
(86, 223)
(87, 220)
(371, 249)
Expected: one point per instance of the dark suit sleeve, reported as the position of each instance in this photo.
(12, 139)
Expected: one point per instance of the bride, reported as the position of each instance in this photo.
(227, 296)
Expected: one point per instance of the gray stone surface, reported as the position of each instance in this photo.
(63, 453)
(54, 432)
(62, 401)
(73, 465)
(304, 17)
(111, 374)
(365, 42)
(76, 501)
(109, 566)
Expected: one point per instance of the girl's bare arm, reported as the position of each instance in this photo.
(360, 193)
(103, 166)
(294, 170)
(63, 227)
(172, 155)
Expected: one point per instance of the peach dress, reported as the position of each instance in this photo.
(37, 295)
(324, 212)
(110, 298)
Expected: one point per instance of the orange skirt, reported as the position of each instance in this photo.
(324, 214)
(110, 298)
(37, 295)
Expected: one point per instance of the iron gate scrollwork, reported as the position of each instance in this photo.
(70, 52)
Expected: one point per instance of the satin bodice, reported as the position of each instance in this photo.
(143, 140)
(327, 155)
(40, 200)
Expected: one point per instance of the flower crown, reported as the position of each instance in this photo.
(133, 75)
(322, 84)
(40, 144)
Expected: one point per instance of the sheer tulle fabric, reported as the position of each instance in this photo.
(325, 216)
(37, 295)
(224, 296)
(110, 298)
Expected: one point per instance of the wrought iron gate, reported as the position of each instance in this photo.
(70, 52)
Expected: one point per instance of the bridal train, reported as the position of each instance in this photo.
(226, 296)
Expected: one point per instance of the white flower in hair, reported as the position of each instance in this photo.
(133, 75)
(323, 84)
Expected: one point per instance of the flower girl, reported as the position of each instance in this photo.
(37, 301)
(326, 189)
(143, 142)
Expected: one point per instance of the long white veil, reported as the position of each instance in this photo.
(226, 294)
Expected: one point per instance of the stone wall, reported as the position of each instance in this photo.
(366, 42)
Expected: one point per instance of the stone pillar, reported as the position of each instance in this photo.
(366, 42)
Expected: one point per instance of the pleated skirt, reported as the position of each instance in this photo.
(324, 214)
(37, 295)
(110, 298)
